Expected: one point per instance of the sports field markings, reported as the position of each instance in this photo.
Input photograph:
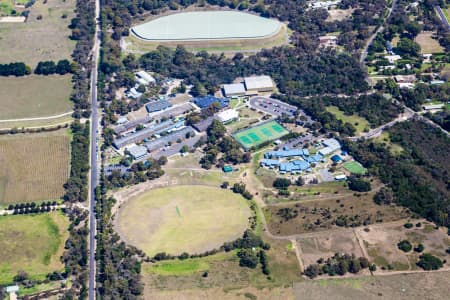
(259, 134)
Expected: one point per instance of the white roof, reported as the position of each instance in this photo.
(145, 76)
(258, 82)
(137, 151)
(234, 88)
(332, 143)
(433, 106)
(227, 115)
(12, 288)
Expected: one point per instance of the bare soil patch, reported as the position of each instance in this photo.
(428, 42)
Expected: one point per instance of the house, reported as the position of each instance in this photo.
(233, 90)
(159, 105)
(207, 101)
(227, 116)
(256, 84)
(144, 78)
(433, 106)
(133, 93)
(392, 58)
(137, 152)
(405, 81)
(327, 41)
(227, 169)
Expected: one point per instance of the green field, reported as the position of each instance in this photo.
(359, 122)
(38, 40)
(355, 167)
(33, 167)
(260, 134)
(34, 96)
(32, 243)
(180, 219)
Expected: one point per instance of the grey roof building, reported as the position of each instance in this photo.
(131, 124)
(172, 137)
(143, 134)
(159, 105)
(203, 125)
(137, 152)
(234, 89)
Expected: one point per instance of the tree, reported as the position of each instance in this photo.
(63, 67)
(359, 185)
(247, 258)
(45, 68)
(215, 131)
(419, 248)
(408, 47)
(404, 245)
(21, 276)
(281, 183)
(384, 196)
(354, 266)
(429, 262)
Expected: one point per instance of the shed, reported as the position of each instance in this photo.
(336, 158)
(227, 169)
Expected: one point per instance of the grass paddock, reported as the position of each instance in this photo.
(179, 219)
(32, 243)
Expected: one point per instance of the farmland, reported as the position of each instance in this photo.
(32, 243)
(33, 167)
(37, 39)
(180, 219)
(34, 96)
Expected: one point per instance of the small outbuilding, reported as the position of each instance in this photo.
(227, 169)
(227, 116)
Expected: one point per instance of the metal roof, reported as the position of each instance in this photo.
(234, 89)
(258, 82)
(157, 105)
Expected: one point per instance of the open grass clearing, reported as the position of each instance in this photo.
(355, 167)
(33, 167)
(32, 243)
(359, 122)
(394, 148)
(179, 219)
(320, 215)
(38, 40)
(226, 280)
(420, 286)
(428, 44)
(34, 96)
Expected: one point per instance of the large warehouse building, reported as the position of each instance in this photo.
(256, 84)
(234, 89)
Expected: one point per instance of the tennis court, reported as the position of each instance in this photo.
(355, 167)
(260, 134)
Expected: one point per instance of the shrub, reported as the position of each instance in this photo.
(429, 262)
(404, 245)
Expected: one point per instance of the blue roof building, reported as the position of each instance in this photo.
(295, 166)
(303, 165)
(283, 153)
(336, 158)
(270, 162)
(205, 102)
(305, 152)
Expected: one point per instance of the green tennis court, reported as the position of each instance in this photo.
(355, 167)
(260, 134)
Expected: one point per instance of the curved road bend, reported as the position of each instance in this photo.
(94, 174)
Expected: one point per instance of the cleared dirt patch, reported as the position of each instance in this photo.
(327, 244)
(33, 167)
(393, 287)
(180, 219)
(381, 243)
(339, 14)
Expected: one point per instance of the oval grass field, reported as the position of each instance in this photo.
(180, 219)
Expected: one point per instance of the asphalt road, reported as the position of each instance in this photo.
(94, 154)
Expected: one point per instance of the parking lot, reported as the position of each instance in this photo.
(272, 106)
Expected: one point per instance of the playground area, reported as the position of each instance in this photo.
(260, 134)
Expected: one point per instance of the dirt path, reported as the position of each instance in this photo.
(38, 118)
(298, 253)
